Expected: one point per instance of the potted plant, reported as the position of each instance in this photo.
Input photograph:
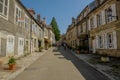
(40, 48)
(105, 58)
(12, 63)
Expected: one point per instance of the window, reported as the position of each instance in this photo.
(4, 8)
(81, 16)
(18, 16)
(99, 19)
(33, 26)
(85, 13)
(84, 26)
(36, 28)
(34, 42)
(108, 15)
(110, 40)
(26, 22)
(100, 41)
(92, 23)
(40, 33)
(81, 29)
(10, 40)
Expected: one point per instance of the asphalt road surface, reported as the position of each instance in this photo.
(60, 64)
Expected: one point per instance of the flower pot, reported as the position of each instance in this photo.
(12, 66)
(78, 52)
(105, 59)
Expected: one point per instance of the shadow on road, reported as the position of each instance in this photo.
(87, 71)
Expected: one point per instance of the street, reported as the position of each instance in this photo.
(60, 64)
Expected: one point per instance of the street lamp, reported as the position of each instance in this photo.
(109, 12)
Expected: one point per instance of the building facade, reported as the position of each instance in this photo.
(82, 29)
(71, 34)
(20, 31)
(98, 26)
(14, 28)
(51, 36)
(104, 23)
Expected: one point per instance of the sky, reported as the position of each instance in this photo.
(62, 10)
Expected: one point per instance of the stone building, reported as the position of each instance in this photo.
(14, 28)
(98, 26)
(104, 25)
(20, 31)
(82, 29)
(51, 35)
(71, 34)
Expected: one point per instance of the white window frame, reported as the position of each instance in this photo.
(99, 19)
(112, 43)
(100, 42)
(26, 21)
(33, 26)
(107, 17)
(92, 22)
(19, 23)
(2, 14)
(84, 26)
(36, 28)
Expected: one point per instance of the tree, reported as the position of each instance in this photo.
(55, 29)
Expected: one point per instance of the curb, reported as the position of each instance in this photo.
(111, 78)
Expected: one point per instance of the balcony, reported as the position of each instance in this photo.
(83, 35)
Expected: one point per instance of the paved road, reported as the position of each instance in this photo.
(60, 65)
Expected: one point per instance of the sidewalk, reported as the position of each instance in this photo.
(22, 64)
(111, 69)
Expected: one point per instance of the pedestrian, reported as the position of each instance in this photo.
(59, 45)
(64, 46)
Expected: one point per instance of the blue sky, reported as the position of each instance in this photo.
(62, 10)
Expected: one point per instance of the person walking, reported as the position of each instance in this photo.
(64, 46)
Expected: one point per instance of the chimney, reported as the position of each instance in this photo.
(97, 2)
(44, 20)
(38, 18)
(31, 11)
(73, 20)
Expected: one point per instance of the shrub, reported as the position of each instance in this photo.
(40, 48)
(11, 60)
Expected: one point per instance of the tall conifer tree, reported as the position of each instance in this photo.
(55, 29)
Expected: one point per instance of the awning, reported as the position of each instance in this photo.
(83, 36)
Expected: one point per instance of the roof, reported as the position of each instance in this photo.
(92, 5)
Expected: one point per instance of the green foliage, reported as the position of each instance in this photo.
(40, 49)
(55, 29)
(11, 60)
